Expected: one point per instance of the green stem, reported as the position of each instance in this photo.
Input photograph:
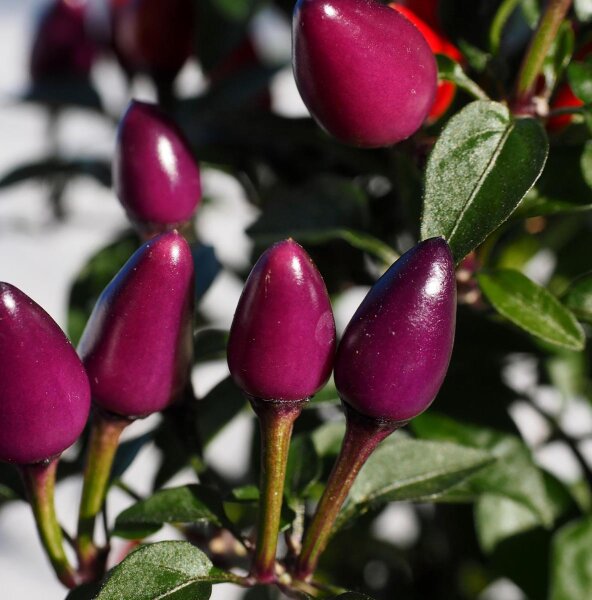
(39, 480)
(362, 435)
(276, 420)
(504, 12)
(542, 39)
(103, 443)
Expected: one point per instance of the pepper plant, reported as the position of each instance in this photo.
(447, 169)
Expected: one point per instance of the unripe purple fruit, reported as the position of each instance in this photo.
(62, 46)
(395, 351)
(155, 175)
(137, 344)
(44, 391)
(390, 364)
(153, 36)
(366, 73)
(282, 339)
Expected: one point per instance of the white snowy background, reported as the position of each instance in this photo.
(41, 257)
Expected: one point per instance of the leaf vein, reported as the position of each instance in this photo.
(418, 479)
(482, 178)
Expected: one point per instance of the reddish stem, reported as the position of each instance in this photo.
(362, 435)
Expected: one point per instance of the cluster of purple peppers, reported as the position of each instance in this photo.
(366, 73)
(136, 350)
(393, 355)
(389, 365)
(148, 37)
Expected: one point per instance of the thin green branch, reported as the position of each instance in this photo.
(538, 49)
(276, 421)
(504, 12)
(39, 480)
(103, 444)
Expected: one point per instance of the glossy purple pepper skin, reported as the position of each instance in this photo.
(137, 346)
(44, 391)
(282, 339)
(155, 175)
(365, 72)
(395, 351)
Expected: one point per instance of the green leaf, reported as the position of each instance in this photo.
(537, 204)
(238, 10)
(246, 493)
(450, 70)
(99, 170)
(477, 59)
(498, 517)
(167, 570)
(532, 12)
(220, 405)
(481, 167)
(327, 438)
(209, 344)
(187, 504)
(406, 469)
(324, 203)
(242, 507)
(178, 438)
(303, 469)
(86, 591)
(578, 298)
(571, 568)
(532, 308)
(582, 495)
(586, 163)
(568, 372)
(514, 475)
(327, 396)
(322, 210)
(11, 484)
(564, 185)
(583, 10)
(517, 252)
(6, 494)
(579, 75)
(59, 92)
